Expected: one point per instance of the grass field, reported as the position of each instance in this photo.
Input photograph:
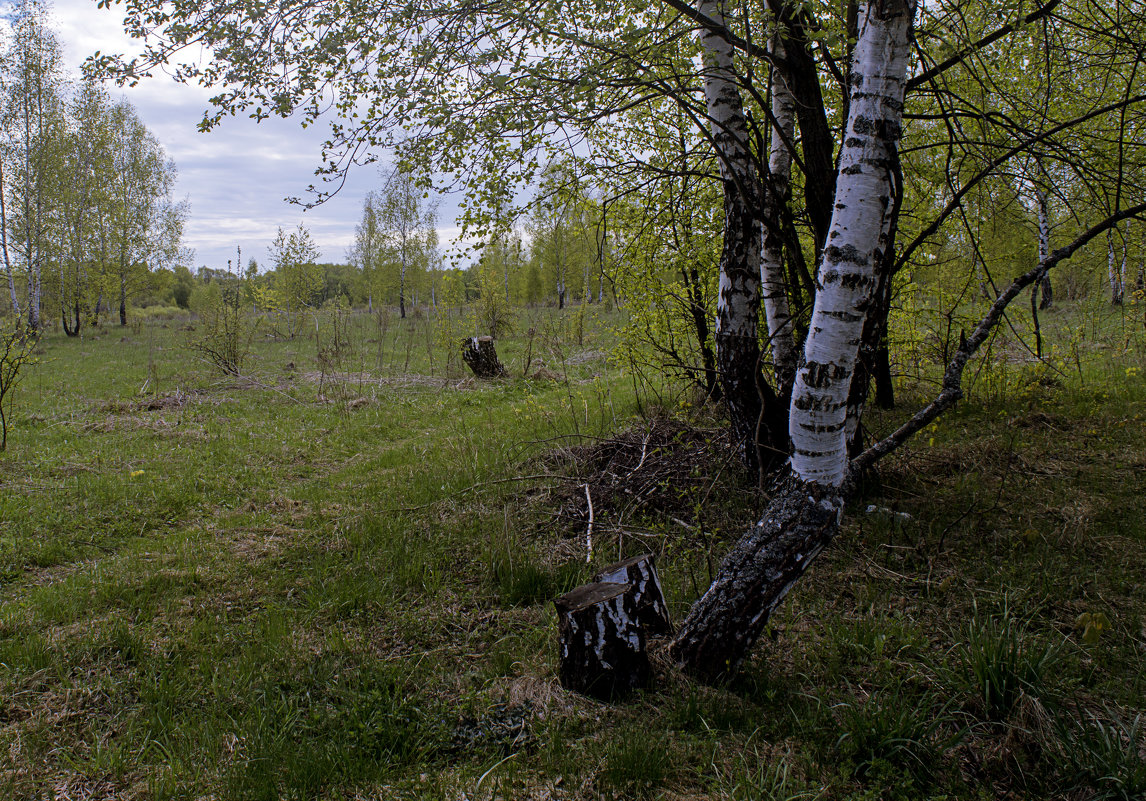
(330, 577)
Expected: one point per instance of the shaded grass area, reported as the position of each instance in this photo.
(308, 584)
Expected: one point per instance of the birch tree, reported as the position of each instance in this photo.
(298, 279)
(804, 513)
(146, 225)
(82, 204)
(367, 248)
(404, 220)
(32, 118)
(738, 297)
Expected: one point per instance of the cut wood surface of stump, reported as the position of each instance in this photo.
(602, 642)
(481, 356)
(641, 573)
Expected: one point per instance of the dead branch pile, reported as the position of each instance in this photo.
(664, 471)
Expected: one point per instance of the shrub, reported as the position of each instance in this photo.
(16, 348)
(227, 330)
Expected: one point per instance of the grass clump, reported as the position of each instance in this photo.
(636, 764)
(895, 732)
(759, 778)
(1004, 663)
(1106, 754)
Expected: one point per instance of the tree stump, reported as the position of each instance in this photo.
(641, 572)
(602, 641)
(480, 355)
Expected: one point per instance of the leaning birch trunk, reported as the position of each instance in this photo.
(738, 296)
(805, 509)
(774, 284)
(1044, 285)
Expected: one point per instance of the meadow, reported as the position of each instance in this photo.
(331, 575)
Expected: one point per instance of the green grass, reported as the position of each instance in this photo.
(331, 578)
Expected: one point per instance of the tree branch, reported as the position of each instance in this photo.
(987, 40)
(952, 389)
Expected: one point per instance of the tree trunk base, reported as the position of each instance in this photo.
(754, 577)
(481, 356)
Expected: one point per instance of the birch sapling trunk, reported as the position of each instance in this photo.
(402, 286)
(1115, 283)
(1125, 258)
(803, 515)
(738, 296)
(1044, 286)
(773, 279)
(1140, 281)
(4, 244)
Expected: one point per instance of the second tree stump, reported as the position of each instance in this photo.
(481, 356)
(602, 641)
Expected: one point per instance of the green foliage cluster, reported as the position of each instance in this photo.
(227, 327)
(87, 212)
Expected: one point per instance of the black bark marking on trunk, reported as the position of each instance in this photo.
(818, 375)
(849, 254)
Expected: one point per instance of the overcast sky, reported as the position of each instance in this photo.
(236, 176)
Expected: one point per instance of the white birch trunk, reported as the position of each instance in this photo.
(4, 243)
(738, 295)
(1044, 284)
(1112, 272)
(1140, 281)
(1044, 227)
(1125, 257)
(803, 514)
(855, 241)
(736, 307)
(774, 284)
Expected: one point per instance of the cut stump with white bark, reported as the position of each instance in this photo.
(641, 573)
(602, 642)
(481, 356)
